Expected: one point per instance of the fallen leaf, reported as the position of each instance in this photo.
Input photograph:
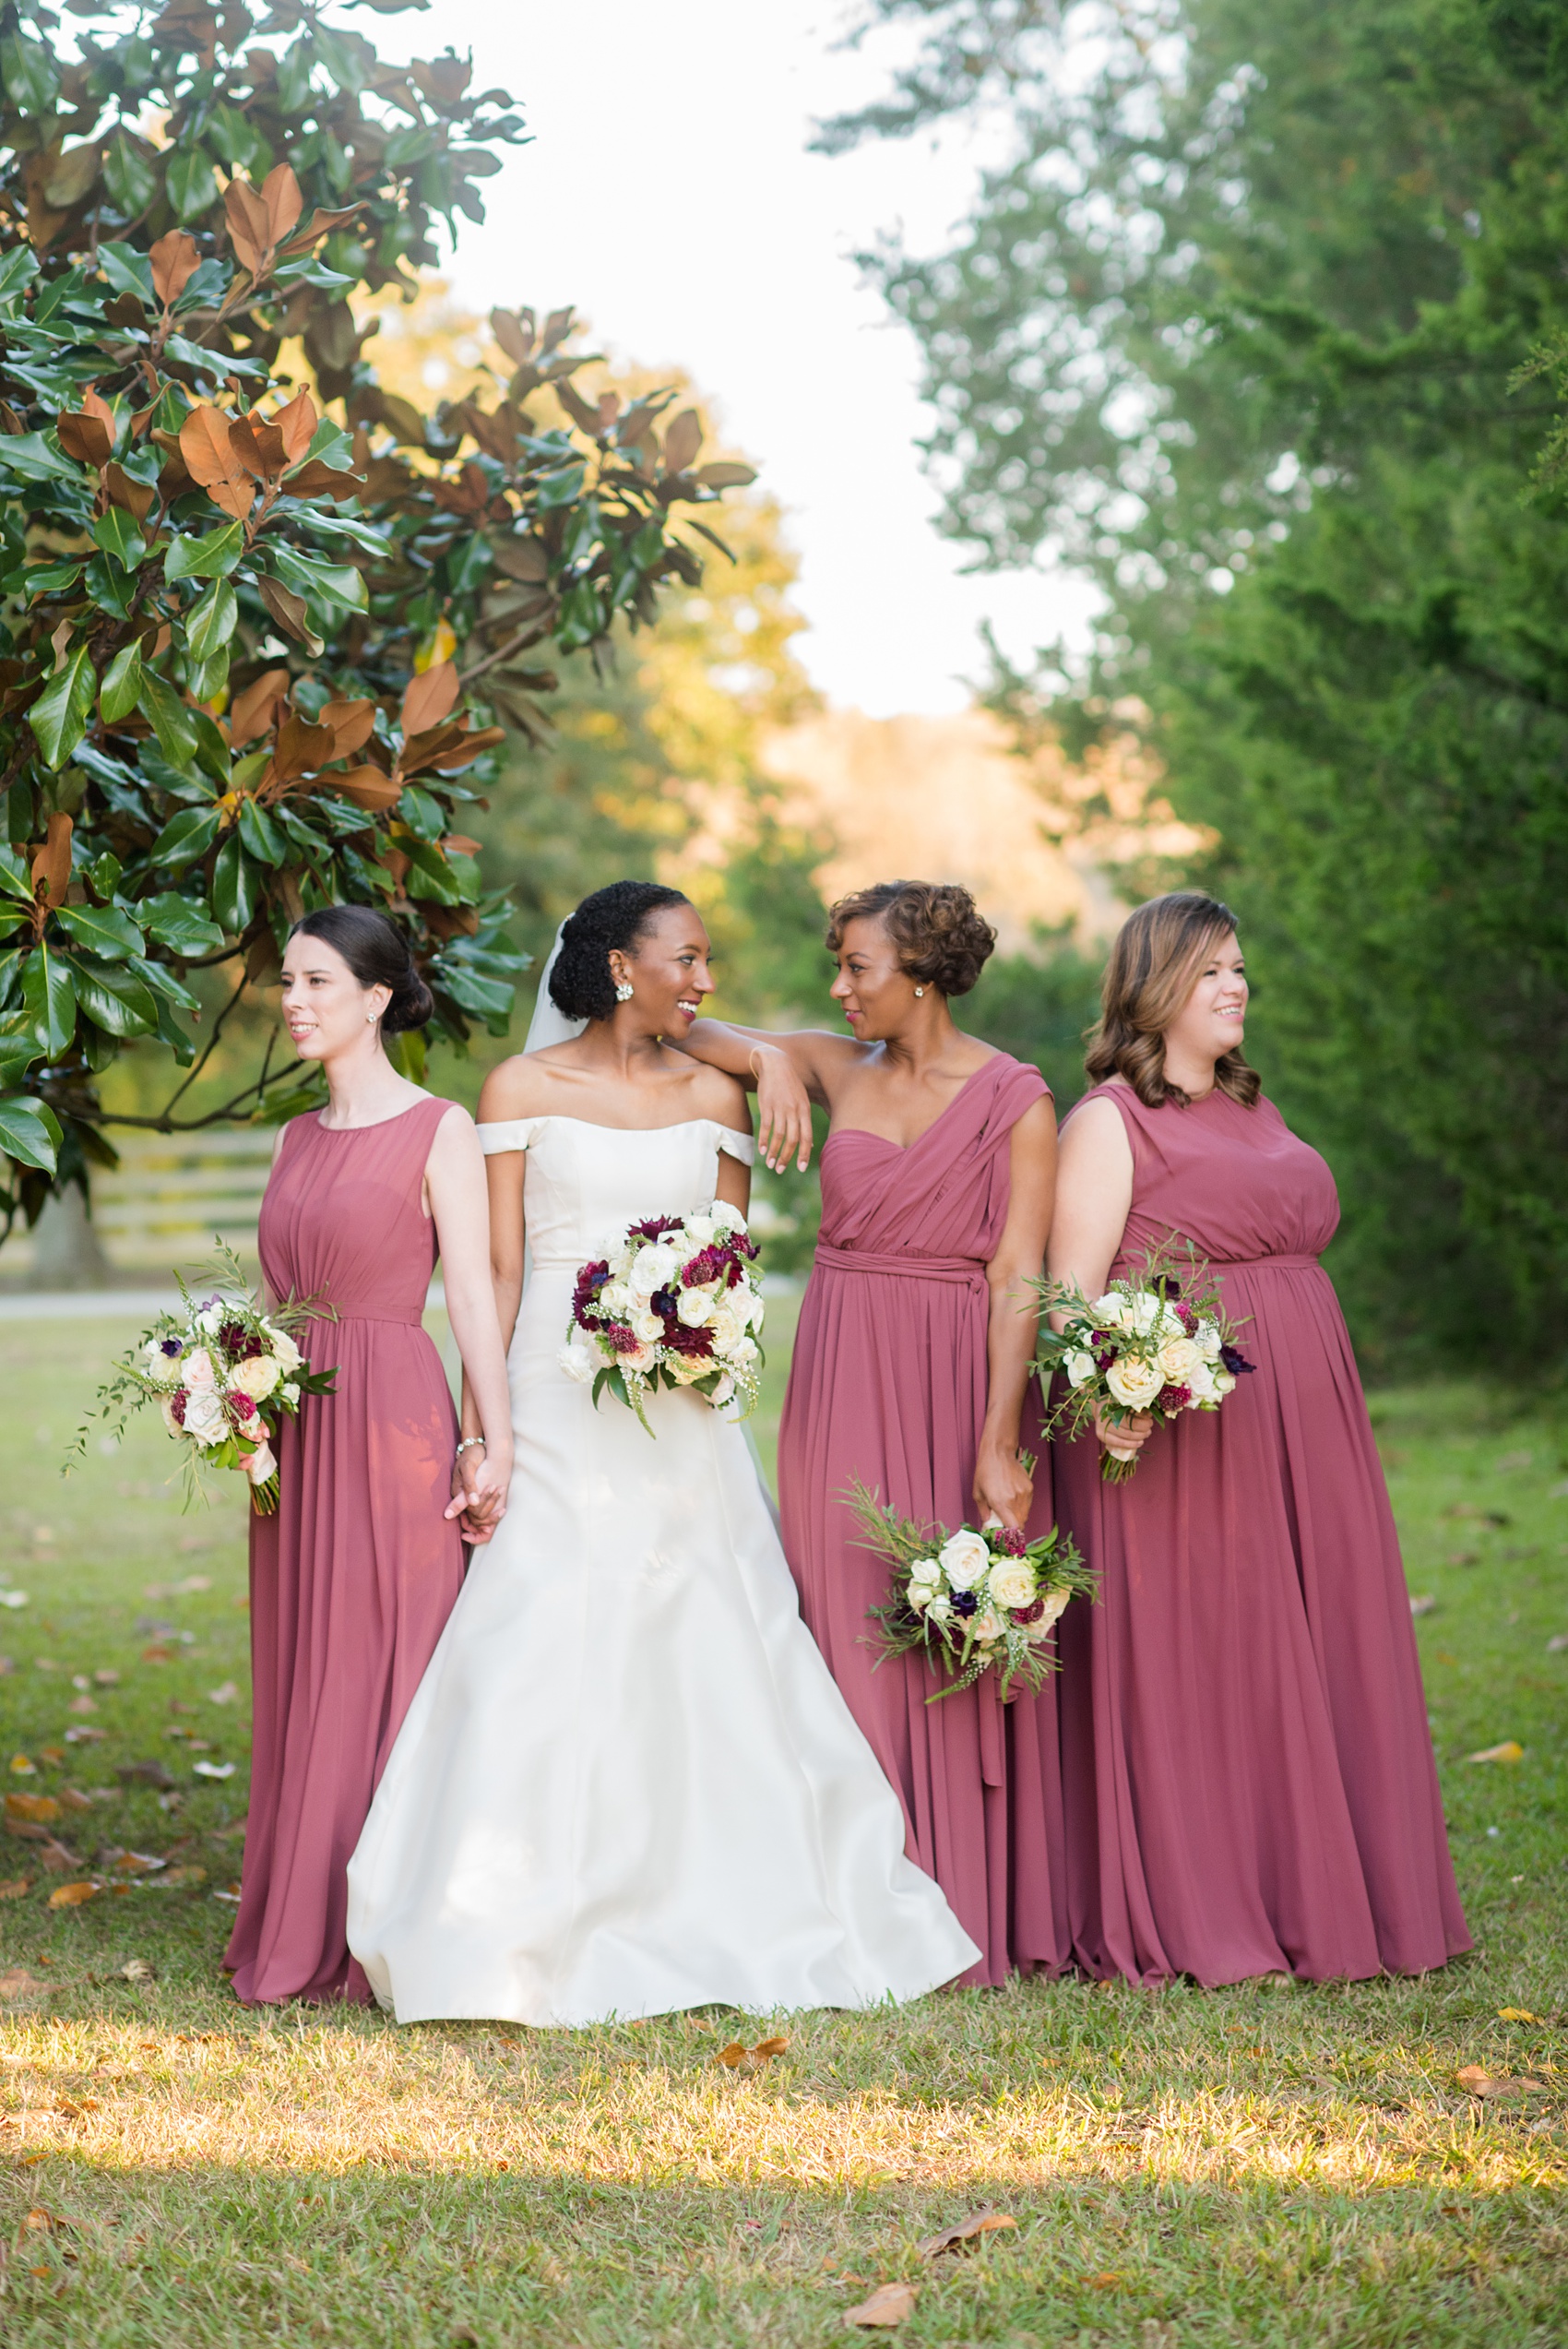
(1517, 2014)
(107, 1678)
(736, 2053)
(184, 1875)
(58, 1858)
(138, 1970)
(85, 1736)
(16, 1983)
(1108, 2281)
(890, 2304)
(41, 2221)
(228, 1892)
(967, 2230)
(15, 1887)
(1509, 1751)
(150, 1772)
(31, 1806)
(82, 1704)
(694, 2022)
(71, 1896)
(224, 1696)
(157, 1654)
(24, 1766)
(1556, 1644)
(52, 1753)
(768, 2048)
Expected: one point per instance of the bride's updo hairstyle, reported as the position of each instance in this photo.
(1154, 965)
(611, 921)
(377, 953)
(940, 937)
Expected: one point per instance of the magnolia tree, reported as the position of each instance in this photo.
(261, 623)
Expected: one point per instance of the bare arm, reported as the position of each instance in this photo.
(788, 1072)
(455, 1182)
(1003, 1485)
(1094, 1197)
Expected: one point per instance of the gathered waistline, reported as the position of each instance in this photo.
(413, 1320)
(1265, 1264)
(968, 1269)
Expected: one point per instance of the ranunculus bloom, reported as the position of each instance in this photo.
(204, 1417)
(646, 1327)
(964, 1557)
(1135, 1384)
(1012, 1582)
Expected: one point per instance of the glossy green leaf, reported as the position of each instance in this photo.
(186, 837)
(48, 1002)
(110, 587)
(169, 717)
(117, 534)
(329, 583)
(32, 77)
(160, 980)
(121, 689)
(430, 877)
(234, 886)
(129, 178)
(16, 880)
(59, 716)
(212, 556)
(190, 184)
(180, 924)
(31, 456)
(18, 1054)
(261, 835)
(113, 995)
(103, 929)
(490, 999)
(105, 873)
(209, 623)
(30, 1132)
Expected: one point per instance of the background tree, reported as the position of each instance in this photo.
(1238, 326)
(240, 610)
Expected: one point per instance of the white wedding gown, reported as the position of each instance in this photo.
(627, 1783)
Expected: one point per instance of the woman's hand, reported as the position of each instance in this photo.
(1004, 1486)
(784, 1110)
(1127, 1436)
(478, 1492)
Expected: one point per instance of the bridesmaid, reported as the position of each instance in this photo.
(353, 1577)
(1246, 1768)
(911, 1371)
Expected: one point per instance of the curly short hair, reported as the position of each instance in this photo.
(1154, 966)
(613, 918)
(943, 939)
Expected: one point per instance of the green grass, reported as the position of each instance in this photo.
(1250, 2166)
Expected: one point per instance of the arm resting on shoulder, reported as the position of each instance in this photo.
(1004, 1486)
(787, 1072)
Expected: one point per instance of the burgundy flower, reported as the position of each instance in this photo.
(1011, 1539)
(709, 1264)
(964, 1602)
(252, 1347)
(1175, 1397)
(621, 1338)
(695, 1343)
(231, 1337)
(177, 1402)
(242, 1405)
(1235, 1361)
(656, 1226)
(1031, 1613)
(1186, 1317)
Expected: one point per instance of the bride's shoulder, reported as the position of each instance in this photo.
(526, 1085)
(710, 1093)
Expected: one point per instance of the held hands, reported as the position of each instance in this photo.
(784, 1110)
(479, 1492)
(1005, 1485)
(1123, 1436)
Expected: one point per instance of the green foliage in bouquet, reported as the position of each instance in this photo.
(238, 610)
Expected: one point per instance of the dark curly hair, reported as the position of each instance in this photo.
(1154, 965)
(613, 918)
(943, 939)
(377, 953)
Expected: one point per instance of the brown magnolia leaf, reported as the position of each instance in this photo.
(281, 194)
(18, 1983)
(578, 407)
(51, 864)
(463, 753)
(15, 1887)
(971, 2229)
(319, 224)
(726, 475)
(254, 711)
(515, 333)
(297, 422)
(301, 748)
(248, 227)
(259, 447)
(135, 496)
(213, 462)
(557, 326)
(766, 2049)
(890, 2304)
(174, 260)
(736, 2053)
(291, 612)
(71, 1896)
(429, 698)
(59, 1858)
(84, 437)
(72, 1799)
(393, 862)
(402, 418)
(459, 844)
(40, 2222)
(521, 558)
(373, 791)
(31, 1806)
(317, 480)
(682, 441)
(95, 405)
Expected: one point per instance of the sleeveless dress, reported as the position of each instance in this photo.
(888, 1383)
(627, 1784)
(1247, 1770)
(353, 1577)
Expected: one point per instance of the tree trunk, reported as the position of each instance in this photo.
(66, 1253)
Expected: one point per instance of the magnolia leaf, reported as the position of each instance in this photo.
(30, 1132)
(255, 709)
(726, 476)
(169, 717)
(71, 1896)
(121, 688)
(59, 716)
(291, 612)
(191, 186)
(352, 723)
(117, 1000)
(367, 787)
(890, 2304)
(246, 216)
(51, 867)
(682, 441)
(281, 194)
(209, 558)
(48, 1002)
(968, 2230)
(85, 437)
(174, 260)
(117, 534)
(103, 930)
(213, 461)
(429, 697)
(210, 622)
(513, 333)
(234, 886)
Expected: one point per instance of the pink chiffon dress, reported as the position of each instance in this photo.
(1247, 1771)
(888, 1384)
(353, 1579)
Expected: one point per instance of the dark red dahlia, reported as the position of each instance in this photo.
(693, 1342)
(1235, 1361)
(709, 1264)
(231, 1337)
(656, 1226)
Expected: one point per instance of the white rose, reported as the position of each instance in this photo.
(580, 1359)
(1113, 1311)
(285, 1354)
(648, 1327)
(1012, 1582)
(921, 1594)
(694, 1309)
(640, 1359)
(256, 1378)
(1205, 1337)
(701, 1229)
(210, 1319)
(1054, 1604)
(1078, 1367)
(724, 1321)
(614, 1301)
(987, 1625)
(1200, 1381)
(965, 1559)
(197, 1368)
(1146, 1311)
(723, 1395)
(1180, 1360)
(739, 1352)
(290, 1393)
(757, 1307)
(204, 1417)
(163, 1367)
(1134, 1383)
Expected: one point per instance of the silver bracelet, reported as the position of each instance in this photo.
(466, 1445)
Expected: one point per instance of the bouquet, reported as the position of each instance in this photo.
(675, 1304)
(223, 1373)
(1152, 1343)
(974, 1602)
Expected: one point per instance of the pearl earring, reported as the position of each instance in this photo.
(624, 992)
(370, 1018)
(920, 991)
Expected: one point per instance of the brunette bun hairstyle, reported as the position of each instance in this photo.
(943, 939)
(611, 920)
(1154, 965)
(377, 953)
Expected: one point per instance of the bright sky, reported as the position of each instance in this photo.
(669, 195)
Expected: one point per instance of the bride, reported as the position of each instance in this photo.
(627, 1783)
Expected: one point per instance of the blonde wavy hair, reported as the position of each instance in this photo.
(1154, 965)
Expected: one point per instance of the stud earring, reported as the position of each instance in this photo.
(920, 991)
(370, 1018)
(624, 992)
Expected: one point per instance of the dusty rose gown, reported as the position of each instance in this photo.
(353, 1579)
(1247, 1772)
(888, 1384)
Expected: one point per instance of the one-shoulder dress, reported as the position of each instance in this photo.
(353, 1577)
(888, 1384)
(1247, 1770)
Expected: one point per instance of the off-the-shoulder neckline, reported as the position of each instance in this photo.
(564, 1117)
